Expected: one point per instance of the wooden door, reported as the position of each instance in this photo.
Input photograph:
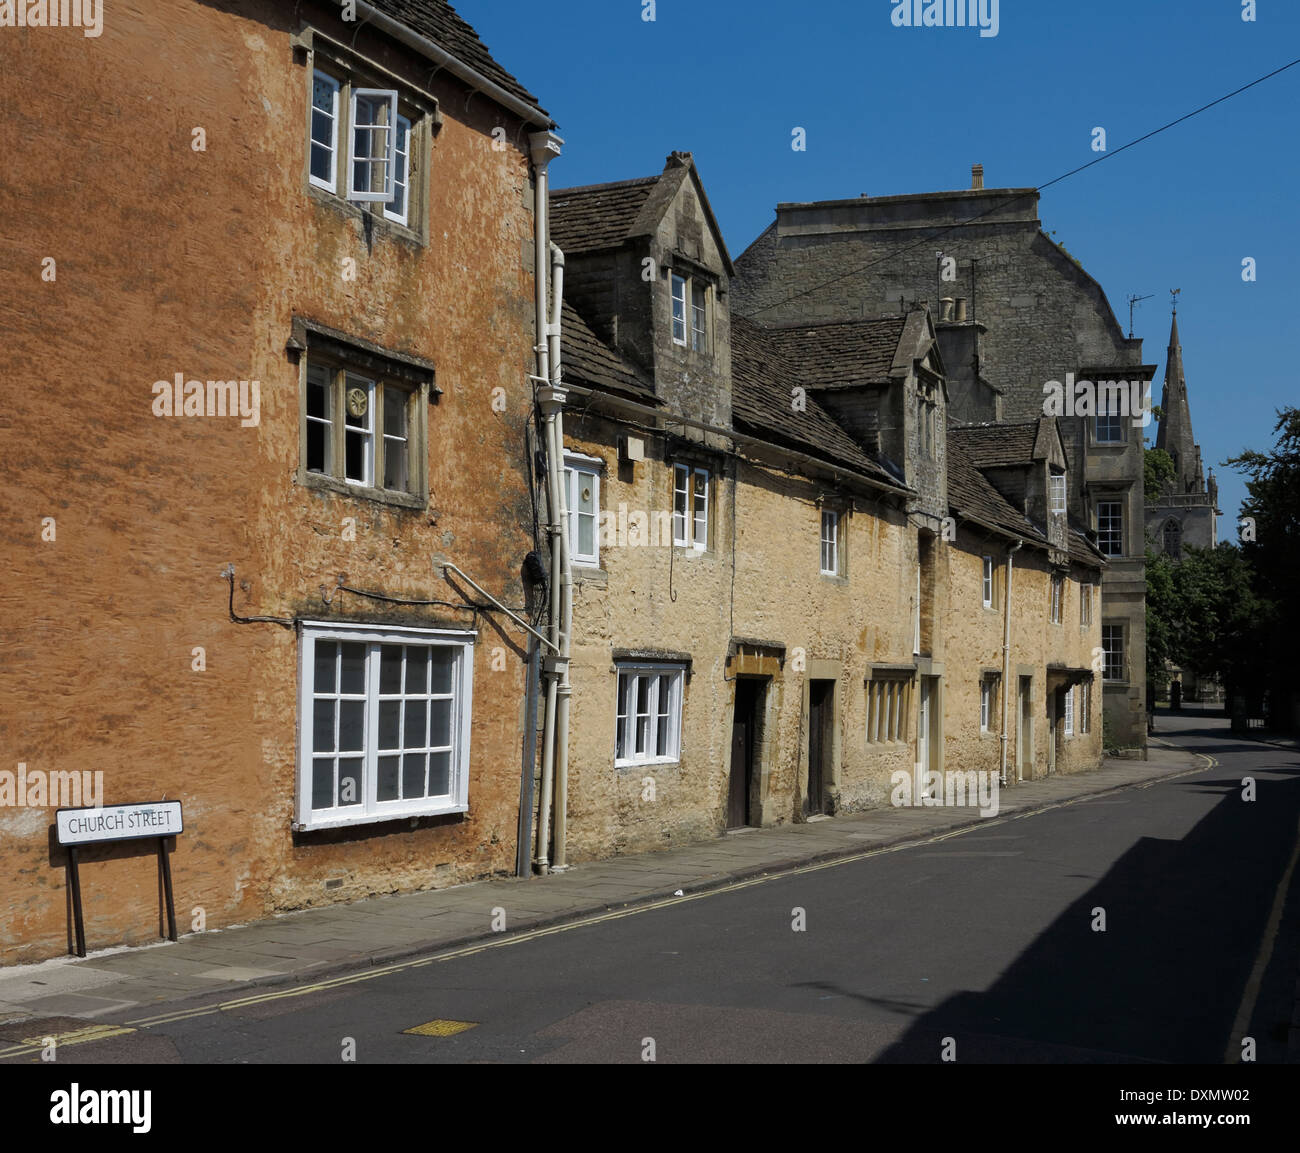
(821, 715)
(744, 753)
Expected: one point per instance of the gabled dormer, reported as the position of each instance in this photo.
(648, 270)
(1027, 463)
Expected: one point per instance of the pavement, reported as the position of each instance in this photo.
(313, 944)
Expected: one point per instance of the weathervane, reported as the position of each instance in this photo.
(1173, 298)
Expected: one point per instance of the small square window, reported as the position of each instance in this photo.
(648, 720)
(362, 429)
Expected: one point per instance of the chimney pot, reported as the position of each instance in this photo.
(961, 310)
(945, 313)
(977, 176)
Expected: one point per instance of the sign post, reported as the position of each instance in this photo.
(110, 824)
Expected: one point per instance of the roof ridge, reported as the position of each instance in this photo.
(636, 180)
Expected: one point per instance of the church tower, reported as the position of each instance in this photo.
(1185, 513)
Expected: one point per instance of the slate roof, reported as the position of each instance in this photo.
(761, 379)
(972, 497)
(997, 445)
(587, 358)
(841, 354)
(440, 22)
(598, 216)
(1083, 550)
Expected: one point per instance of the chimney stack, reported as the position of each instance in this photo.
(977, 176)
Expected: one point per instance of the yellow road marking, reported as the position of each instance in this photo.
(30, 1045)
(619, 914)
(440, 1028)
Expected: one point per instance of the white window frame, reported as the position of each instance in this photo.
(625, 725)
(1085, 707)
(353, 380)
(1057, 598)
(830, 544)
(699, 317)
(577, 465)
(1056, 493)
(986, 582)
(692, 520)
(676, 279)
(402, 174)
(1069, 711)
(389, 157)
(372, 810)
(986, 703)
(332, 183)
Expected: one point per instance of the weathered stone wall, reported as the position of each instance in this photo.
(1045, 316)
(174, 260)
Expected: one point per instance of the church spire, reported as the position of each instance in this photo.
(1175, 431)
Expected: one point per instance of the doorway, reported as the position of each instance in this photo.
(821, 734)
(1055, 708)
(746, 733)
(1025, 731)
(927, 739)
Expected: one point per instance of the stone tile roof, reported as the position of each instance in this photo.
(439, 21)
(588, 359)
(997, 445)
(598, 216)
(841, 354)
(761, 380)
(972, 497)
(1082, 550)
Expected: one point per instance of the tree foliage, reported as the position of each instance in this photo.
(1157, 473)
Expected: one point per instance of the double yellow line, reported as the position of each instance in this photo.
(102, 1032)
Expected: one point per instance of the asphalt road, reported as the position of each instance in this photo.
(985, 942)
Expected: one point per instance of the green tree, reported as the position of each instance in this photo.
(1157, 472)
(1270, 530)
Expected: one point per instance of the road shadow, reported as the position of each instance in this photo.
(1164, 981)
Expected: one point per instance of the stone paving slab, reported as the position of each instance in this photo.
(318, 942)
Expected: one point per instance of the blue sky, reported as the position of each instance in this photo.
(896, 110)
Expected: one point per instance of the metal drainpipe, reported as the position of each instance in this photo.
(1006, 656)
(564, 690)
(545, 146)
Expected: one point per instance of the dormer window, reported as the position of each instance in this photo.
(690, 299)
(1056, 492)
